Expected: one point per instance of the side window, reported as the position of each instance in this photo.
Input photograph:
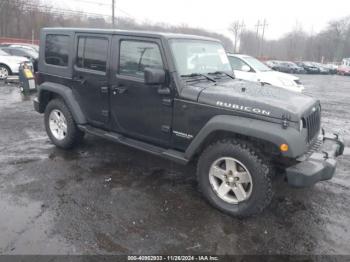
(57, 50)
(18, 52)
(8, 51)
(92, 53)
(136, 55)
(236, 63)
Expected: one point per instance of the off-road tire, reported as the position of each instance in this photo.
(73, 136)
(260, 169)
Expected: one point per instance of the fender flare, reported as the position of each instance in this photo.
(258, 129)
(68, 97)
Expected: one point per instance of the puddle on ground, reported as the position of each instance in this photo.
(26, 228)
(11, 94)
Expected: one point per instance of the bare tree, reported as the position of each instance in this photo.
(236, 28)
(332, 44)
(19, 18)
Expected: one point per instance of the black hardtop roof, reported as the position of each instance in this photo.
(127, 32)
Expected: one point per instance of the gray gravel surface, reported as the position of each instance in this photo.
(104, 198)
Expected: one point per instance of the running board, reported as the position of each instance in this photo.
(171, 154)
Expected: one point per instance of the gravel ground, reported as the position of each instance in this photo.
(104, 198)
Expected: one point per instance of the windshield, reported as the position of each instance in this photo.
(3, 53)
(256, 64)
(199, 57)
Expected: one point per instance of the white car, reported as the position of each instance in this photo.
(9, 65)
(249, 68)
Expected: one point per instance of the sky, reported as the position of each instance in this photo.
(281, 16)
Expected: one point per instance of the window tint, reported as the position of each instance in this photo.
(18, 52)
(135, 56)
(3, 53)
(236, 63)
(92, 53)
(57, 50)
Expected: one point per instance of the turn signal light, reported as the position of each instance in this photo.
(284, 147)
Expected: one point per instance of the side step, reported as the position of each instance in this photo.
(170, 154)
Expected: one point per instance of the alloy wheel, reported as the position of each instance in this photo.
(58, 124)
(230, 180)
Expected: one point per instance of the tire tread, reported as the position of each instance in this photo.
(245, 147)
(74, 135)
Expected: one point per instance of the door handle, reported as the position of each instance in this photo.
(80, 80)
(119, 90)
(164, 91)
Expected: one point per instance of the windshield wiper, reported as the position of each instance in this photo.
(199, 74)
(221, 73)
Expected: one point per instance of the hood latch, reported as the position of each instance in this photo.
(285, 121)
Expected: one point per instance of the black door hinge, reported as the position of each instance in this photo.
(104, 89)
(167, 101)
(165, 129)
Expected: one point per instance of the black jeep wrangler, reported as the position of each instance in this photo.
(175, 96)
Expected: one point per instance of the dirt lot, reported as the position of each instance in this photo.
(103, 198)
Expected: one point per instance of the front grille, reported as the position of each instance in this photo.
(312, 123)
(315, 144)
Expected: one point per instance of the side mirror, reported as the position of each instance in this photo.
(245, 68)
(154, 76)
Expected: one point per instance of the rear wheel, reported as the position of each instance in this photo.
(60, 125)
(4, 72)
(235, 178)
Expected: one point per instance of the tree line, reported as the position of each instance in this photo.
(23, 18)
(330, 45)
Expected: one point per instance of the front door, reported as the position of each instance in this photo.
(139, 110)
(91, 77)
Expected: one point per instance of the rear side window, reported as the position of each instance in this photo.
(136, 55)
(92, 53)
(57, 50)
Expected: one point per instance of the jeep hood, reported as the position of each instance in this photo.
(252, 98)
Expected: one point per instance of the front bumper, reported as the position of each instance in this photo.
(319, 165)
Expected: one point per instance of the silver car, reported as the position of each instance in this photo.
(9, 65)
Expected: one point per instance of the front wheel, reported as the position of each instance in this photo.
(60, 125)
(234, 177)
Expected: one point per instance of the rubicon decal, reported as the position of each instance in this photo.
(244, 108)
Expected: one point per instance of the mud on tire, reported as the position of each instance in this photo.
(258, 167)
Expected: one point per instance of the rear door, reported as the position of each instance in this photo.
(139, 110)
(91, 77)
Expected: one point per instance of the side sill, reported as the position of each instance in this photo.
(170, 154)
